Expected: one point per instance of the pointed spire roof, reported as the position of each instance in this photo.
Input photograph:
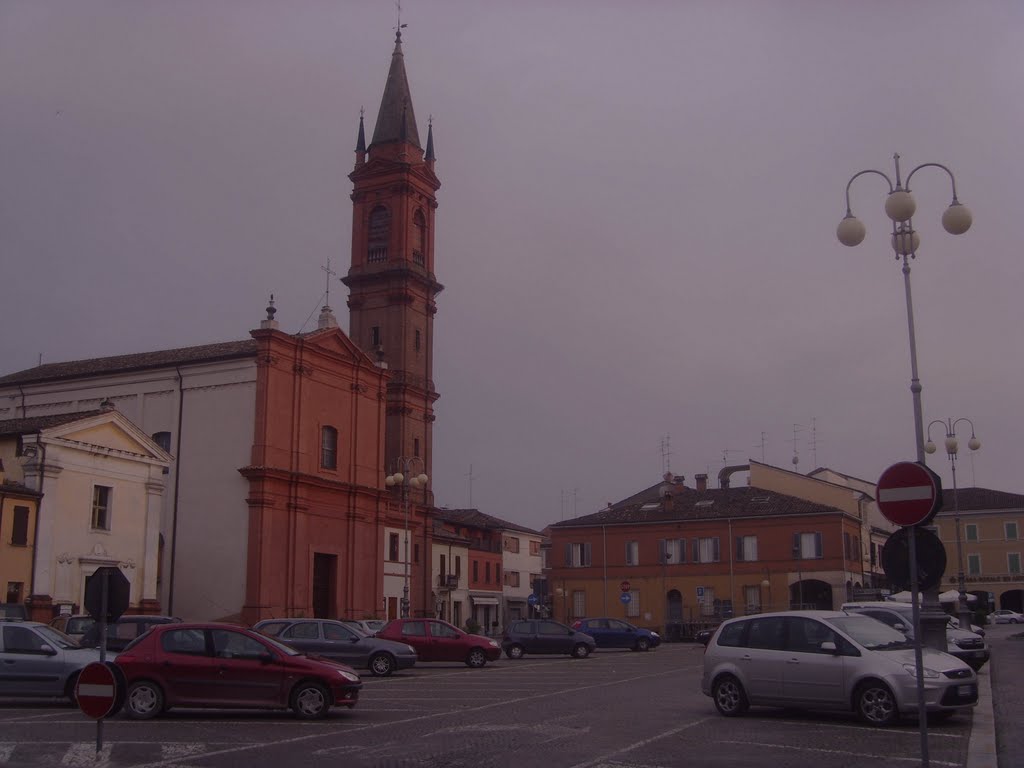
(361, 142)
(430, 140)
(396, 120)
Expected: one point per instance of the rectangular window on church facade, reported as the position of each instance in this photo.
(101, 507)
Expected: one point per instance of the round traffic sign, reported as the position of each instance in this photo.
(931, 558)
(100, 690)
(625, 597)
(533, 599)
(908, 493)
(624, 586)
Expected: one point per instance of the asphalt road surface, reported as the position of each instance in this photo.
(616, 709)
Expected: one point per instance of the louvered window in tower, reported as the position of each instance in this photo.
(419, 242)
(378, 234)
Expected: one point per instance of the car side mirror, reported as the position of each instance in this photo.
(266, 658)
(828, 646)
(900, 627)
(47, 650)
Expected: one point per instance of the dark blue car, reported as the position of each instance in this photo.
(616, 633)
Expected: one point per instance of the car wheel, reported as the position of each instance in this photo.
(476, 658)
(69, 689)
(144, 700)
(875, 703)
(382, 665)
(730, 698)
(514, 652)
(642, 644)
(581, 651)
(310, 701)
(1013, 621)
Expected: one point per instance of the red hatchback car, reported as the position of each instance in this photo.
(436, 640)
(221, 665)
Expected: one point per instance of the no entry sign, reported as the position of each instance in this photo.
(100, 690)
(909, 493)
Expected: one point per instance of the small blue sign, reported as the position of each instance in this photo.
(625, 597)
(533, 599)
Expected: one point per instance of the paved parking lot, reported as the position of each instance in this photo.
(615, 709)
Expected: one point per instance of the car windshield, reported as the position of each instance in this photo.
(285, 649)
(57, 638)
(871, 633)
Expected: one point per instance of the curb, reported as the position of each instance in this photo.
(981, 750)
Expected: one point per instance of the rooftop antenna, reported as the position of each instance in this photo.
(796, 455)
(725, 455)
(764, 441)
(471, 477)
(814, 441)
(666, 454)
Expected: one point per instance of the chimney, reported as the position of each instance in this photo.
(702, 483)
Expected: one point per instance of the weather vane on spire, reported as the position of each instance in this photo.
(400, 26)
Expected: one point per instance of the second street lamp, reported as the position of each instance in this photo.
(405, 480)
(952, 446)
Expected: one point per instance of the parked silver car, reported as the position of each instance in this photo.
(1005, 616)
(338, 642)
(966, 646)
(38, 660)
(830, 660)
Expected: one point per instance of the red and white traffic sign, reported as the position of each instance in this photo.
(909, 493)
(97, 691)
(624, 586)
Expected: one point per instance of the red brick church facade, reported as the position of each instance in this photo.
(335, 413)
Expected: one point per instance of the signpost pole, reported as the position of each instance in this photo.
(104, 603)
(922, 715)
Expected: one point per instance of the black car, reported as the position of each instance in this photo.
(339, 642)
(121, 632)
(545, 636)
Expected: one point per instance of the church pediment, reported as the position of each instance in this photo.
(108, 431)
(336, 342)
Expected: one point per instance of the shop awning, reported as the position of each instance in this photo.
(483, 600)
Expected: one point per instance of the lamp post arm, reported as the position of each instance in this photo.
(952, 179)
(861, 173)
(952, 428)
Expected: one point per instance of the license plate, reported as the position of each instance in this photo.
(965, 690)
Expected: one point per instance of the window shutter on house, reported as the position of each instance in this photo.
(586, 554)
(568, 555)
(817, 545)
(797, 552)
(739, 548)
(696, 550)
(717, 555)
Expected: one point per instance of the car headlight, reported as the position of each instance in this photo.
(911, 669)
(655, 634)
(493, 643)
(352, 677)
(410, 649)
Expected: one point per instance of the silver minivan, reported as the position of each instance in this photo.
(967, 646)
(830, 660)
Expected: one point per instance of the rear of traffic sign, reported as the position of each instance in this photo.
(100, 690)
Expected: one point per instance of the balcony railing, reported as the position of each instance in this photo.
(451, 581)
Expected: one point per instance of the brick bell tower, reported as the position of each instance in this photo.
(391, 281)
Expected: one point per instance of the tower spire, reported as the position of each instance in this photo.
(430, 140)
(396, 120)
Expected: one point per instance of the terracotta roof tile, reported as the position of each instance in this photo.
(99, 366)
(971, 499)
(478, 519)
(36, 423)
(690, 504)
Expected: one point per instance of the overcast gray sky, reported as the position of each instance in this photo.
(636, 227)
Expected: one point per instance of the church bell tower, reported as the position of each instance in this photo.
(391, 280)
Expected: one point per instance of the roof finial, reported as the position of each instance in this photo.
(400, 26)
(361, 141)
(430, 140)
(270, 322)
(327, 280)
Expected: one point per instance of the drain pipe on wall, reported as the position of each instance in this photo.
(604, 556)
(177, 481)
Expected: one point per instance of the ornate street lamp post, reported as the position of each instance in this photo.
(952, 446)
(405, 480)
(956, 219)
